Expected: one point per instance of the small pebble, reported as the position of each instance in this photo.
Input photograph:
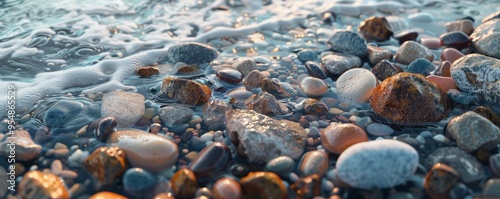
(356, 85)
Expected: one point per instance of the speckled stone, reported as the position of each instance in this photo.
(337, 138)
(410, 51)
(314, 69)
(248, 128)
(356, 85)
(126, 107)
(488, 113)
(36, 184)
(384, 69)
(105, 166)
(420, 66)
(313, 87)
(376, 54)
(313, 162)
(440, 180)
(185, 91)
(214, 111)
(175, 114)
(314, 106)
(377, 164)
(307, 187)
(263, 185)
(375, 28)
(227, 188)
(348, 42)
(191, 53)
(266, 104)
(274, 88)
(339, 63)
(472, 131)
(307, 55)
(466, 165)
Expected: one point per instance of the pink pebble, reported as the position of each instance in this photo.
(451, 54)
(445, 83)
(430, 42)
(227, 188)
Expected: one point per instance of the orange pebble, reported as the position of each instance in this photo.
(338, 137)
(445, 83)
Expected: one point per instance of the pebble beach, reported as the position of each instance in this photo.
(250, 99)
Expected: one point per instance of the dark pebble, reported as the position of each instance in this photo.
(229, 75)
(420, 66)
(405, 35)
(384, 69)
(211, 160)
(138, 180)
(456, 39)
(316, 70)
(307, 55)
(239, 170)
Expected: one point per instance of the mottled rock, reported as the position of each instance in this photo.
(466, 165)
(145, 150)
(405, 35)
(281, 165)
(175, 114)
(227, 188)
(313, 162)
(313, 87)
(339, 63)
(456, 39)
(384, 69)
(229, 75)
(248, 129)
(314, 69)
(263, 185)
(245, 65)
(440, 180)
(253, 79)
(410, 99)
(182, 69)
(19, 146)
(147, 71)
(106, 195)
(185, 91)
(274, 88)
(377, 164)
(214, 111)
(138, 181)
(126, 107)
(356, 85)
(184, 183)
(105, 166)
(375, 28)
(266, 104)
(472, 131)
(478, 75)
(420, 66)
(307, 55)
(488, 113)
(486, 37)
(36, 184)
(191, 53)
(376, 54)
(465, 26)
(348, 42)
(314, 106)
(337, 138)
(211, 160)
(307, 187)
(410, 51)
(103, 128)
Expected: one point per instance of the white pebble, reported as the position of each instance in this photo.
(356, 85)
(441, 138)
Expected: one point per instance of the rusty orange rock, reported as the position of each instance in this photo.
(107, 195)
(375, 28)
(147, 71)
(338, 137)
(263, 185)
(36, 184)
(184, 183)
(185, 91)
(106, 165)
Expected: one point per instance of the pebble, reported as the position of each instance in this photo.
(25, 149)
(61, 113)
(477, 75)
(492, 188)
(384, 69)
(147, 71)
(211, 160)
(263, 185)
(314, 106)
(378, 129)
(445, 83)
(337, 138)
(266, 104)
(138, 181)
(451, 55)
(248, 128)
(191, 53)
(314, 131)
(376, 54)
(245, 65)
(377, 164)
(313, 162)
(227, 188)
(253, 79)
(273, 87)
(313, 87)
(56, 167)
(375, 28)
(107, 195)
(411, 51)
(405, 35)
(36, 184)
(431, 42)
(207, 137)
(348, 42)
(472, 131)
(229, 75)
(185, 91)
(465, 26)
(145, 150)
(410, 99)
(356, 85)
(441, 138)
(455, 39)
(182, 69)
(184, 184)
(307, 187)
(420, 66)
(315, 69)
(444, 69)
(440, 180)
(175, 114)
(466, 165)
(214, 111)
(105, 166)
(281, 165)
(126, 107)
(307, 55)
(337, 64)
(421, 17)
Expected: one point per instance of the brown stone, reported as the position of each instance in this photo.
(107, 195)
(440, 180)
(465, 26)
(375, 28)
(26, 149)
(338, 137)
(164, 196)
(376, 54)
(263, 185)
(253, 79)
(185, 91)
(314, 106)
(188, 70)
(488, 113)
(266, 104)
(451, 54)
(273, 87)
(227, 188)
(410, 99)
(211, 160)
(184, 184)
(307, 187)
(147, 71)
(444, 69)
(39, 185)
(105, 166)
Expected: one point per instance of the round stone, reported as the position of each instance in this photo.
(136, 180)
(107, 195)
(245, 65)
(377, 164)
(473, 131)
(445, 83)
(348, 42)
(377, 129)
(356, 85)
(281, 165)
(210, 160)
(469, 168)
(420, 66)
(451, 55)
(313, 162)
(338, 137)
(456, 39)
(440, 180)
(229, 75)
(227, 188)
(409, 51)
(375, 28)
(36, 184)
(314, 87)
(337, 64)
(485, 38)
(191, 53)
(307, 55)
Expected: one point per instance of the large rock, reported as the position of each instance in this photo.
(472, 131)
(410, 99)
(469, 169)
(377, 164)
(261, 138)
(486, 37)
(339, 63)
(185, 91)
(191, 53)
(348, 42)
(478, 76)
(36, 184)
(266, 104)
(126, 107)
(25, 148)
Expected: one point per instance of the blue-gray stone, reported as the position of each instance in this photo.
(61, 113)
(281, 165)
(137, 179)
(191, 53)
(339, 63)
(420, 66)
(348, 42)
(315, 69)
(307, 55)
(470, 169)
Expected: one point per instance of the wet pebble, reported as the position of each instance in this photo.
(36, 184)
(253, 79)
(314, 106)
(175, 114)
(307, 187)
(445, 83)
(410, 51)
(183, 90)
(456, 39)
(266, 104)
(494, 164)
(378, 129)
(421, 17)
(307, 55)
(348, 42)
(263, 185)
(405, 35)
(339, 63)
(274, 87)
(466, 165)
(184, 184)
(375, 28)
(451, 54)
(211, 160)
(492, 188)
(105, 166)
(384, 69)
(214, 111)
(472, 131)
(376, 54)
(281, 165)
(138, 181)
(191, 53)
(316, 70)
(356, 85)
(314, 87)
(443, 69)
(126, 107)
(25, 148)
(313, 162)
(148, 71)
(229, 75)
(245, 65)
(431, 42)
(107, 195)
(227, 188)
(420, 66)
(440, 180)
(338, 137)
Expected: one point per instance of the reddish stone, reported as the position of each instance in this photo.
(36, 184)
(444, 69)
(147, 71)
(107, 195)
(338, 137)
(227, 188)
(451, 54)
(106, 165)
(430, 42)
(314, 106)
(445, 83)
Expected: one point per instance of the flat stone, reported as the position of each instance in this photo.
(275, 138)
(431, 42)
(36, 184)
(472, 131)
(377, 164)
(469, 169)
(263, 185)
(451, 55)
(420, 66)
(348, 42)
(377, 129)
(375, 28)
(191, 53)
(229, 75)
(126, 107)
(356, 85)
(307, 55)
(440, 180)
(145, 150)
(105, 166)
(409, 51)
(266, 104)
(175, 114)
(339, 63)
(337, 138)
(485, 38)
(147, 71)
(445, 83)
(315, 69)
(25, 148)
(211, 160)
(185, 91)
(456, 39)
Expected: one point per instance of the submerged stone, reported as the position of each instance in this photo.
(191, 53)
(185, 91)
